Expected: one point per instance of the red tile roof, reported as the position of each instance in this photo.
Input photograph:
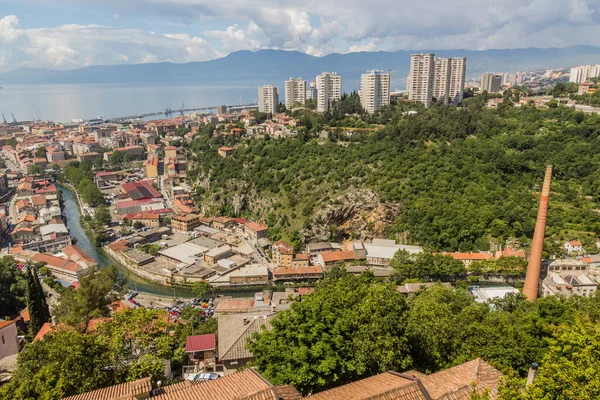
(256, 227)
(4, 324)
(140, 190)
(200, 343)
(469, 256)
(57, 262)
(124, 391)
(45, 329)
(333, 256)
(297, 271)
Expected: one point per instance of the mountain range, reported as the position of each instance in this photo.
(274, 66)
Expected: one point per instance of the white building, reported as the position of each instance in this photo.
(456, 86)
(420, 78)
(268, 99)
(381, 251)
(311, 91)
(329, 90)
(567, 278)
(583, 73)
(574, 246)
(375, 90)
(295, 92)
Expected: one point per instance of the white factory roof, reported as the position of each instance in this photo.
(184, 252)
(53, 228)
(383, 248)
(206, 229)
(484, 294)
(218, 250)
(225, 263)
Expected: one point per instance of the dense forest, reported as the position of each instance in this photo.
(453, 178)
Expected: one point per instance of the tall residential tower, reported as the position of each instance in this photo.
(329, 89)
(439, 78)
(375, 90)
(491, 83)
(295, 92)
(420, 78)
(268, 99)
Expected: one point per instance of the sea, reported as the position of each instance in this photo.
(66, 103)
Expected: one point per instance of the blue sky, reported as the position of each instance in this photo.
(65, 34)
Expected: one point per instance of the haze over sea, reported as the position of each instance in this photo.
(65, 102)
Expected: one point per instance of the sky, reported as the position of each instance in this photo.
(67, 34)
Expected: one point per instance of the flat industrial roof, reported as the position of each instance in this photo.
(184, 252)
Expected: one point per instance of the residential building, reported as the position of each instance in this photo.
(491, 83)
(329, 90)
(311, 90)
(147, 219)
(470, 258)
(420, 78)
(583, 73)
(375, 90)
(225, 151)
(62, 268)
(456, 87)
(567, 278)
(331, 257)
(233, 332)
(574, 246)
(295, 92)
(222, 110)
(151, 165)
(268, 99)
(457, 382)
(185, 222)
(299, 273)
(201, 348)
(283, 254)
(255, 231)
(441, 79)
(9, 340)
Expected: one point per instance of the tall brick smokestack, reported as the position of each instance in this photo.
(530, 289)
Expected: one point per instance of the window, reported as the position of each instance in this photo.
(3, 342)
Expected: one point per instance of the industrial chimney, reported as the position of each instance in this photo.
(530, 289)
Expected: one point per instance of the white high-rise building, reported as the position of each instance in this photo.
(420, 78)
(329, 89)
(442, 78)
(311, 91)
(375, 90)
(456, 87)
(295, 92)
(583, 73)
(268, 99)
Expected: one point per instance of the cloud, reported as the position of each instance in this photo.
(73, 46)
(316, 27)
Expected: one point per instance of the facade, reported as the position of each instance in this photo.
(311, 90)
(583, 73)
(573, 246)
(268, 99)
(329, 90)
(9, 340)
(567, 278)
(283, 254)
(295, 92)
(491, 83)
(185, 222)
(255, 231)
(222, 110)
(381, 251)
(375, 90)
(449, 79)
(420, 78)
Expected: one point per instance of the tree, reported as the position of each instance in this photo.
(347, 329)
(137, 225)
(102, 215)
(13, 287)
(137, 343)
(77, 307)
(36, 170)
(65, 363)
(426, 267)
(568, 370)
(36, 301)
(200, 288)
(41, 152)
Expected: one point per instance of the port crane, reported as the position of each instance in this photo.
(14, 119)
(4, 118)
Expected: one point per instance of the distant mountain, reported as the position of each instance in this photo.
(274, 66)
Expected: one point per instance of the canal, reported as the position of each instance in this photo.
(71, 210)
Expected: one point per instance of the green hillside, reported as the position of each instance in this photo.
(445, 178)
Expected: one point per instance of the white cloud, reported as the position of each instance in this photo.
(317, 27)
(73, 46)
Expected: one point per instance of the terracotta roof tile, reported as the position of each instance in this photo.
(124, 391)
(200, 343)
(234, 330)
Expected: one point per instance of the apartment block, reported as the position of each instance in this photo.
(456, 87)
(583, 73)
(329, 90)
(311, 91)
(375, 90)
(421, 78)
(295, 92)
(268, 99)
(492, 83)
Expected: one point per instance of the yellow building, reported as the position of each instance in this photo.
(152, 167)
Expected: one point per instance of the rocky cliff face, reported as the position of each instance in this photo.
(357, 214)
